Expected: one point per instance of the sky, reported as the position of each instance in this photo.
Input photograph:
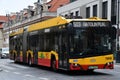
(8, 6)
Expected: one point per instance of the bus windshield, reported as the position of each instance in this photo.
(92, 41)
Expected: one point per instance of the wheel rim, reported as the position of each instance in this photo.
(30, 62)
(54, 65)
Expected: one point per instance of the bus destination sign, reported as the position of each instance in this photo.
(91, 24)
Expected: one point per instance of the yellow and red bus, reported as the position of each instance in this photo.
(67, 44)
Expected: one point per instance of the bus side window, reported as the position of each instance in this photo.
(33, 42)
(56, 44)
(49, 42)
(41, 42)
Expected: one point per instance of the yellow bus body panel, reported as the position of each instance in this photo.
(47, 55)
(93, 60)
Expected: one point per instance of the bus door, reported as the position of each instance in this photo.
(24, 47)
(63, 51)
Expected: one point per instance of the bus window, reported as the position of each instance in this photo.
(78, 41)
(33, 42)
(92, 41)
(49, 42)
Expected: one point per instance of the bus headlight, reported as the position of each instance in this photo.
(109, 63)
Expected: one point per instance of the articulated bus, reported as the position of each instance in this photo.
(65, 44)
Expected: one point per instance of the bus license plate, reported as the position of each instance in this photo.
(93, 67)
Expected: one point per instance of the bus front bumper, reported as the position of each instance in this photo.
(109, 65)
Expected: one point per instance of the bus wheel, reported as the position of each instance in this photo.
(54, 65)
(15, 58)
(29, 61)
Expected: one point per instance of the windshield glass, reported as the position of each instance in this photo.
(93, 41)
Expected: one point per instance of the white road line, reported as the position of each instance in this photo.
(28, 75)
(42, 78)
(16, 72)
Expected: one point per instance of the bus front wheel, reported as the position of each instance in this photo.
(14, 58)
(54, 65)
(29, 61)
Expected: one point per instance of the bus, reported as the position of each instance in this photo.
(66, 44)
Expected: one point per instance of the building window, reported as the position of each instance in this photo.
(113, 11)
(104, 9)
(72, 0)
(77, 13)
(95, 10)
(87, 12)
(71, 15)
(66, 16)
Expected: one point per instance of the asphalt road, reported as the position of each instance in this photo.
(12, 71)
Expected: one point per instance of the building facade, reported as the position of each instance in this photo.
(3, 19)
(106, 9)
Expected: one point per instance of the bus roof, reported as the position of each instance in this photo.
(58, 21)
(17, 32)
(53, 22)
(48, 23)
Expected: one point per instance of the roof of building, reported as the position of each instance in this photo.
(0, 26)
(2, 20)
(54, 4)
(5, 19)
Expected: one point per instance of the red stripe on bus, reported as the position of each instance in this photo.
(44, 62)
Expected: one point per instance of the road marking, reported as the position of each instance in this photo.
(42, 78)
(16, 72)
(28, 75)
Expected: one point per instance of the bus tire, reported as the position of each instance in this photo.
(53, 65)
(29, 61)
(15, 60)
